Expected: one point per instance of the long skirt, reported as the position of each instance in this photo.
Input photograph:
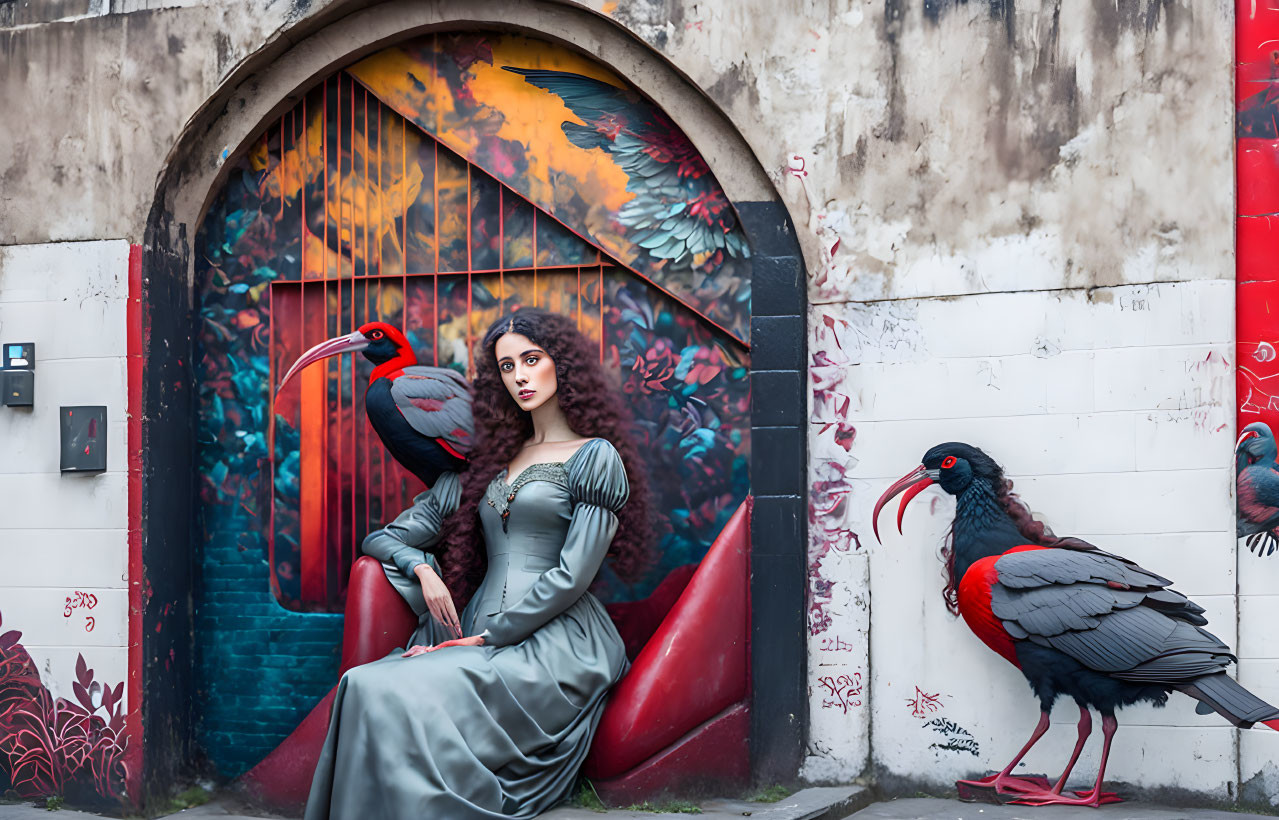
(469, 732)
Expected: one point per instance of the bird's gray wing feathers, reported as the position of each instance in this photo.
(1140, 644)
(1107, 613)
(436, 402)
(1052, 610)
(1034, 568)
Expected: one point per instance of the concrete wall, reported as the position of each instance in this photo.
(1017, 220)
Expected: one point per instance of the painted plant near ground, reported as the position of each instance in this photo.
(53, 746)
(345, 212)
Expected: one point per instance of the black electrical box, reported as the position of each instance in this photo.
(18, 378)
(84, 439)
(19, 388)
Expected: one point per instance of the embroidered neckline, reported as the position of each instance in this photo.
(500, 494)
(505, 470)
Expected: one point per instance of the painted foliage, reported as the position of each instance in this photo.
(345, 212)
(53, 746)
(586, 148)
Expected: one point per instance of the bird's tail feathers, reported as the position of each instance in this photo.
(1221, 694)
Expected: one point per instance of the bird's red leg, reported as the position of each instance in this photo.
(1094, 798)
(1004, 782)
(1085, 729)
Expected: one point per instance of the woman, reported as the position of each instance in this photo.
(496, 720)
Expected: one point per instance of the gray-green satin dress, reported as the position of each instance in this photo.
(498, 730)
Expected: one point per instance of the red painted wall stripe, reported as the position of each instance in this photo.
(133, 355)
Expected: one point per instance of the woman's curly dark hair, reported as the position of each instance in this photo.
(594, 410)
(1032, 529)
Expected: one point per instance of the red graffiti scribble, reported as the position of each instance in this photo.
(836, 644)
(89, 623)
(842, 690)
(828, 501)
(830, 368)
(845, 434)
(923, 703)
(797, 170)
(77, 600)
(1260, 393)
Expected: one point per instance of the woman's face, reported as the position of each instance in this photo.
(527, 371)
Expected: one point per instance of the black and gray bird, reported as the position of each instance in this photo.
(1078, 622)
(421, 413)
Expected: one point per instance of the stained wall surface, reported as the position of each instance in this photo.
(1017, 219)
(64, 536)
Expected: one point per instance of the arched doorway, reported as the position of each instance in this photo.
(435, 185)
(777, 590)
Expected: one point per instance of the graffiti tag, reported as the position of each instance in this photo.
(957, 738)
(81, 600)
(842, 691)
(923, 703)
(78, 600)
(836, 644)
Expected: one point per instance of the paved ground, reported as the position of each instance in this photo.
(809, 804)
(933, 809)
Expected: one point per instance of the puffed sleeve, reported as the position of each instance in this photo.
(418, 530)
(597, 482)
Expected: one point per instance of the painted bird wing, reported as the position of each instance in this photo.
(679, 211)
(1257, 491)
(1107, 613)
(436, 402)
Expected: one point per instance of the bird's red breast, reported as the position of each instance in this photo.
(387, 370)
(974, 604)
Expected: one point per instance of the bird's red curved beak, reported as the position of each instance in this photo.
(332, 347)
(1247, 435)
(913, 483)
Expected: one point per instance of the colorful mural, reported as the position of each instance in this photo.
(53, 746)
(345, 212)
(1257, 277)
(586, 148)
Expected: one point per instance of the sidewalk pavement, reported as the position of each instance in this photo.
(830, 803)
(936, 809)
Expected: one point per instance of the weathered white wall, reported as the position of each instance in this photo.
(64, 538)
(1112, 411)
(1027, 263)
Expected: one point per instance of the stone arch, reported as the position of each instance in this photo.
(270, 82)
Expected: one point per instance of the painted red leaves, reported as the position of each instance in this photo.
(51, 745)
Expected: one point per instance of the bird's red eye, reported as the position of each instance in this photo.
(377, 334)
(948, 462)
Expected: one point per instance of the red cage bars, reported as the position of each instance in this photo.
(403, 231)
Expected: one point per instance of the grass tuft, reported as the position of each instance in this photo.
(772, 794)
(188, 799)
(669, 807)
(587, 798)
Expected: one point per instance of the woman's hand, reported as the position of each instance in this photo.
(438, 600)
(474, 640)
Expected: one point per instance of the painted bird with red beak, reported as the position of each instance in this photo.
(422, 414)
(1078, 622)
(1257, 488)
